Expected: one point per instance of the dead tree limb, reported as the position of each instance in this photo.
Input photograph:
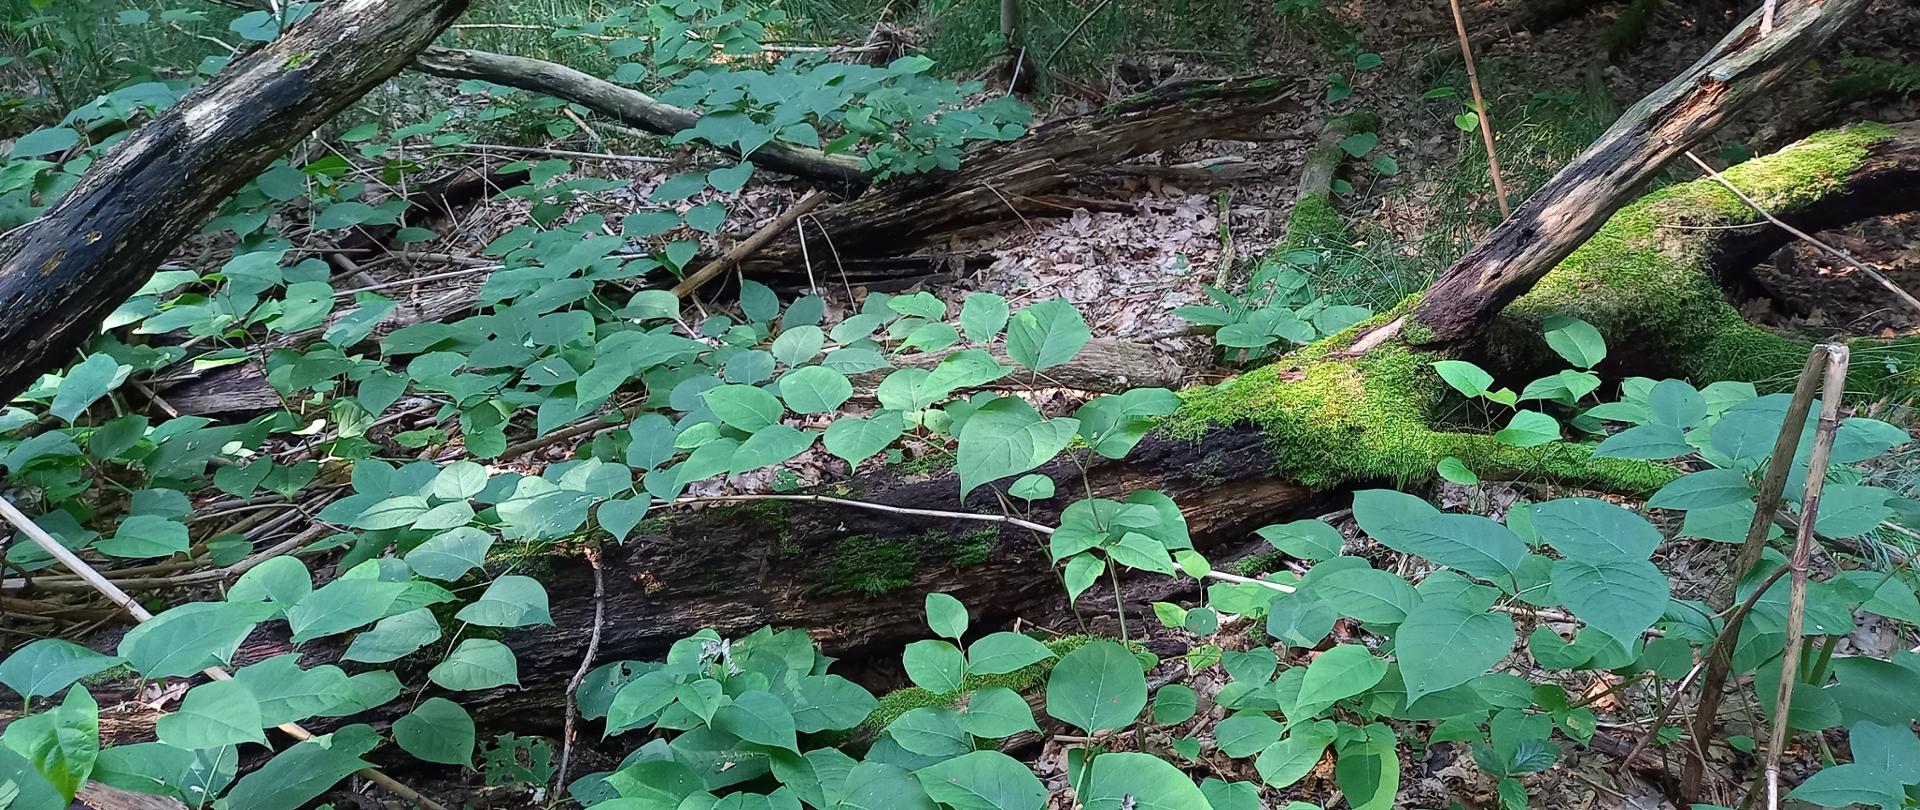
(62, 274)
(1578, 200)
(630, 106)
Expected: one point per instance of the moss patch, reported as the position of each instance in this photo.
(870, 565)
(900, 701)
(1330, 420)
(974, 547)
(1642, 284)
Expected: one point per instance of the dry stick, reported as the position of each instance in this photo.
(1721, 643)
(119, 597)
(1803, 236)
(1070, 34)
(1779, 466)
(1835, 389)
(749, 245)
(1480, 109)
(586, 662)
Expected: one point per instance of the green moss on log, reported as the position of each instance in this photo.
(1641, 281)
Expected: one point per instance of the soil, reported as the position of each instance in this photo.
(1817, 291)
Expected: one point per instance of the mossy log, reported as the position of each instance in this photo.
(62, 273)
(1571, 206)
(1274, 444)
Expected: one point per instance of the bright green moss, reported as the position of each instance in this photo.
(870, 565)
(1641, 282)
(1331, 420)
(1313, 224)
(975, 546)
(900, 701)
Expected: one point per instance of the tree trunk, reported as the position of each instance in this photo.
(61, 274)
(1657, 129)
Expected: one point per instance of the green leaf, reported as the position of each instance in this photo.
(1529, 429)
(1248, 733)
(288, 694)
(982, 316)
(936, 666)
(510, 601)
(213, 715)
(1307, 539)
(829, 703)
(758, 717)
(458, 481)
(395, 637)
(798, 344)
(43, 142)
(996, 712)
(49, 665)
(982, 780)
(1675, 403)
(303, 772)
(1098, 686)
(1594, 530)
(815, 389)
(1003, 652)
(1113, 424)
(1008, 437)
(921, 304)
(946, 615)
(189, 638)
(398, 512)
(438, 731)
(1851, 510)
(1456, 471)
(819, 778)
(1703, 490)
(854, 439)
(1338, 674)
(1175, 703)
(931, 731)
(1372, 596)
(770, 445)
(1576, 340)
(1135, 781)
(1032, 487)
(1892, 749)
(85, 383)
(1047, 334)
(1860, 439)
(1359, 143)
(1851, 784)
(477, 663)
(1645, 441)
(145, 536)
(1082, 571)
(1444, 644)
(1619, 597)
(1464, 377)
(1368, 772)
(448, 556)
(342, 605)
(62, 745)
(743, 407)
(880, 786)
(1470, 543)
(1291, 759)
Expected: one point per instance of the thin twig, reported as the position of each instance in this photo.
(1721, 642)
(749, 245)
(1837, 253)
(1480, 109)
(586, 663)
(1076, 30)
(114, 594)
(1835, 390)
(535, 150)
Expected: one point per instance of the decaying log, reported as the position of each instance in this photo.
(628, 105)
(856, 578)
(1574, 204)
(62, 274)
(1104, 366)
(1006, 181)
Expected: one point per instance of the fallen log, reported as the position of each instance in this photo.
(61, 274)
(1572, 206)
(629, 106)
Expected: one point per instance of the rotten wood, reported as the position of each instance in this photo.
(61, 274)
(1104, 365)
(1657, 129)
